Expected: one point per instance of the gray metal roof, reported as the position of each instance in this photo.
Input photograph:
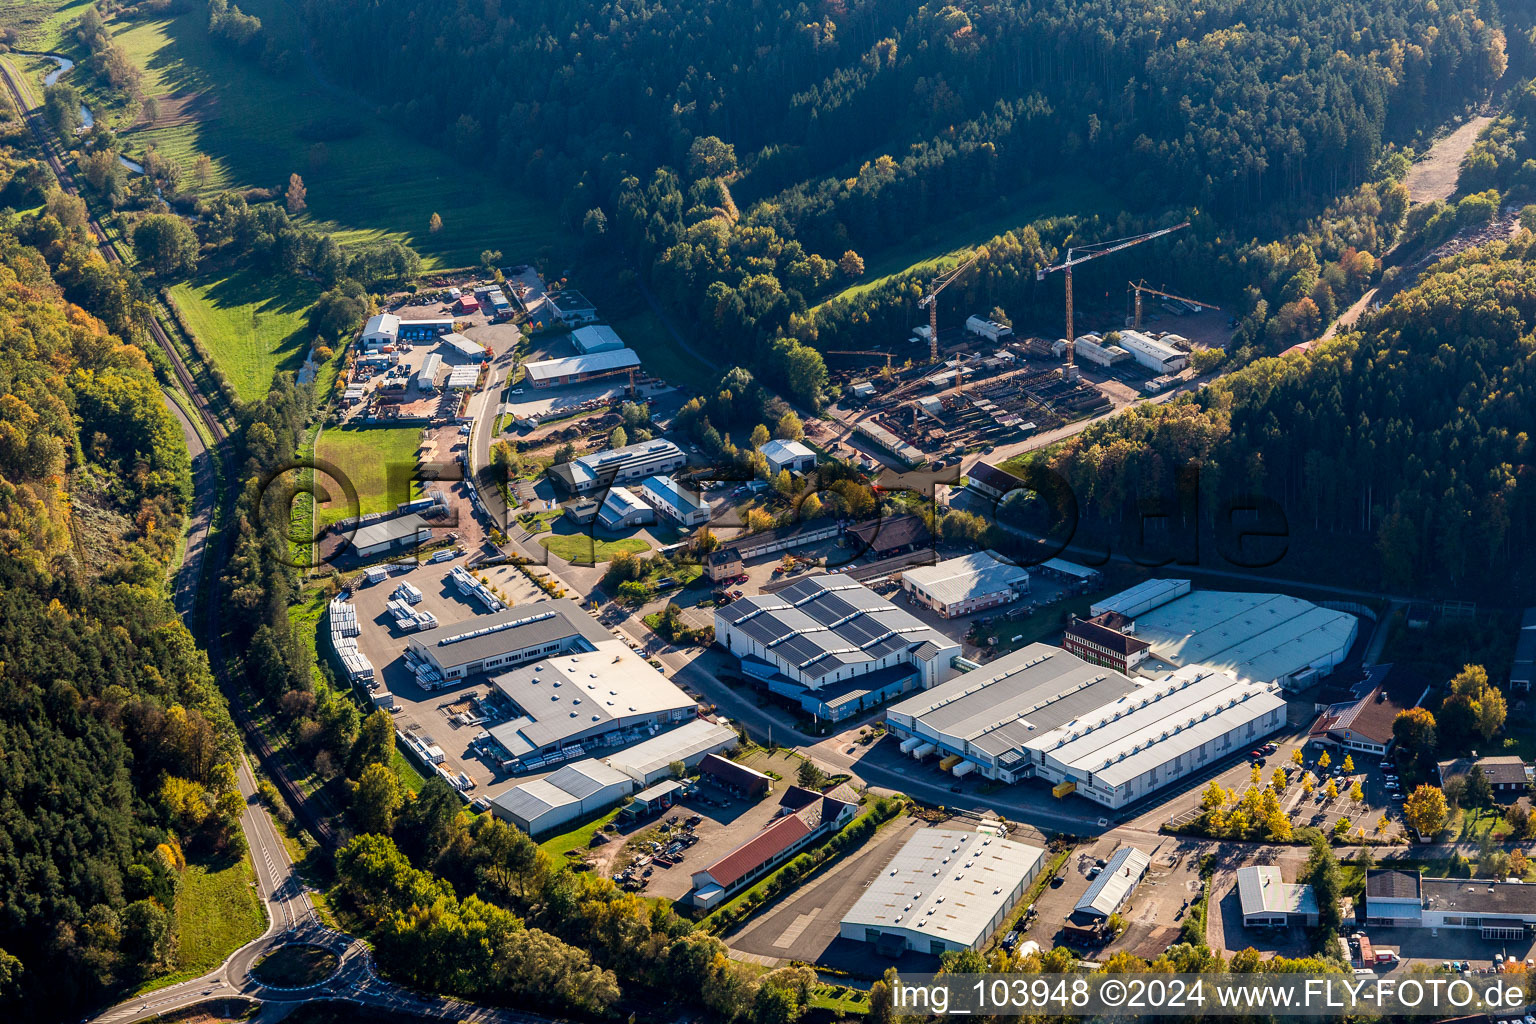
(1108, 892)
(584, 778)
(1016, 698)
(979, 574)
(945, 884)
(389, 531)
(529, 625)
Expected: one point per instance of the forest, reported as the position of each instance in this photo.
(753, 177)
(1402, 450)
(118, 748)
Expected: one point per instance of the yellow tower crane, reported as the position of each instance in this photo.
(1140, 287)
(930, 300)
(1093, 251)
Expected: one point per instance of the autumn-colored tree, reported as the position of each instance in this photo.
(297, 196)
(1425, 809)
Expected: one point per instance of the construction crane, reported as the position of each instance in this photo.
(1138, 288)
(1093, 251)
(861, 352)
(930, 300)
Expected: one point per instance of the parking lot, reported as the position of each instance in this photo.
(726, 822)
(428, 714)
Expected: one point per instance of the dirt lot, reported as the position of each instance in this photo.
(804, 925)
(426, 713)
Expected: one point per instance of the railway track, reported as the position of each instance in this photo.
(206, 618)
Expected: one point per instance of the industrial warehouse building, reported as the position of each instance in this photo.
(622, 508)
(1093, 349)
(970, 583)
(549, 373)
(790, 455)
(944, 890)
(624, 465)
(570, 705)
(571, 307)
(1267, 638)
(683, 506)
(382, 329)
(600, 338)
(1268, 901)
(1157, 356)
(651, 761)
(1108, 893)
(1043, 713)
(1405, 899)
(453, 653)
(387, 536)
(833, 645)
(573, 792)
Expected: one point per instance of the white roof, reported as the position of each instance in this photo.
(969, 576)
(1262, 890)
(1155, 723)
(427, 375)
(1137, 341)
(687, 741)
(621, 501)
(569, 696)
(382, 323)
(1067, 568)
(945, 884)
(1108, 891)
(530, 801)
(596, 338)
(597, 362)
(1146, 593)
(1261, 637)
(779, 450)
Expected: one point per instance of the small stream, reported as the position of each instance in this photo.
(87, 119)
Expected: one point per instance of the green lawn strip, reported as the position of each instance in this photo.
(748, 902)
(581, 548)
(217, 912)
(379, 461)
(252, 324)
(410, 778)
(840, 999)
(950, 241)
(367, 179)
(540, 522)
(577, 839)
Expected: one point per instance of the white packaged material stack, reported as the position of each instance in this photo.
(344, 633)
(470, 586)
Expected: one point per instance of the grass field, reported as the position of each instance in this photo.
(253, 324)
(380, 462)
(40, 25)
(944, 245)
(216, 913)
(367, 179)
(577, 839)
(579, 547)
